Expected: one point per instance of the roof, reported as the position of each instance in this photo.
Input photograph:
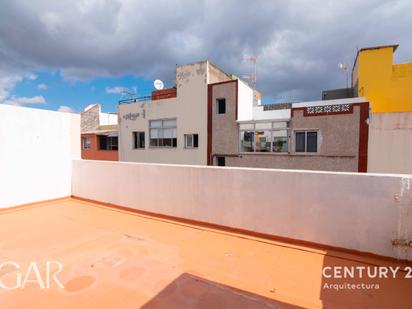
(394, 46)
(108, 127)
(90, 106)
(220, 69)
(114, 258)
(104, 130)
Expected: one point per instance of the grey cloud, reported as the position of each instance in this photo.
(299, 43)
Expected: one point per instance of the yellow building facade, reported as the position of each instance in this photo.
(387, 86)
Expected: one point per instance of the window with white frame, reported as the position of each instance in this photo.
(306, 141)
(86, 143)
(191, 140)
(163, 133)
(264, 136)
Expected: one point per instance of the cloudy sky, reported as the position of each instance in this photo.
(66, 54)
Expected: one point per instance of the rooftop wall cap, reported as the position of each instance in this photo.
(330, 102)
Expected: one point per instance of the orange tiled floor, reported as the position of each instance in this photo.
(117, 259)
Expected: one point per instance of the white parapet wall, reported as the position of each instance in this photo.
(390, 143)
(363, 212)
(36, 152)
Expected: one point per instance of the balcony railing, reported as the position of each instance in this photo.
(134, 100)
(156, 95)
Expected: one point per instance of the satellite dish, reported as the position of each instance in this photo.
(158, 84)
(343, 66)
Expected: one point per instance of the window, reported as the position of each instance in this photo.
(247, 141)
(86, 143)
(306, 141)
(221, 106)
(107, 142)
(138, 140)
(280, 141)
(264, 136)
(221, 161)
(191, 140)
(163, 133)
(312, 141)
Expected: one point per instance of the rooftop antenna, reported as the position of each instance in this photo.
(253, 77)
(129, 93)
(344, 68)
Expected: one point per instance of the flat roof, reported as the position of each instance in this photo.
(114, 258)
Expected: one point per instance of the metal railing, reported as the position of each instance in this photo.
(153, 97)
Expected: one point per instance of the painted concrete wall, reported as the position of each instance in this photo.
(386, 85)
(107, 119)
(390, 143)
(245, 101)
(260, 114)
(95, 153)
(356, 211)
(295, 162)
(36, 152)
(225, 132)
(215, 74)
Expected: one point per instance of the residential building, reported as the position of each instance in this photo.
(99, 134)
(321, 135)
(170, 126)
(388, 87)
(214, 118)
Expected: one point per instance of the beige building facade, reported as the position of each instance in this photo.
(171, 130)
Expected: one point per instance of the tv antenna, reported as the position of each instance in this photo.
(253, 77)
(158, 84)
(344, 68)
(130, 94)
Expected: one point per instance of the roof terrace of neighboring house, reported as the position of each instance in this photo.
(99, 134)
(130, 235)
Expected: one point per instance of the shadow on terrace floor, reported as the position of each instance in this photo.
(189, 291)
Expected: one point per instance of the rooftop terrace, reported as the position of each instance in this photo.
(177, 236)
(122, 259)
